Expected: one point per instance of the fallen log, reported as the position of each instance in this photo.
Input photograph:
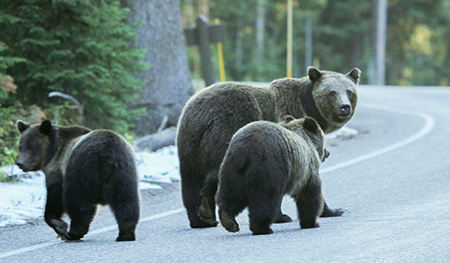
(155, 141)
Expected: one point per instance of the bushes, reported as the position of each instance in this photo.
(8, 111)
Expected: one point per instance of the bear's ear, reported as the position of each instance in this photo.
(21, 126)
(288, 118)
(310, 124)
(314, 74)
(354, 74)
(46, 127)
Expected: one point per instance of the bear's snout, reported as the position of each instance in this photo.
(345, 109)
(23, 164)
(19, 164)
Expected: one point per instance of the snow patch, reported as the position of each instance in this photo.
(342, 132)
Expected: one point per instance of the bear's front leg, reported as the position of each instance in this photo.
(54, 210)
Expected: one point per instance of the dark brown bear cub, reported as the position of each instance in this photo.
(83, 168)
(264, 162)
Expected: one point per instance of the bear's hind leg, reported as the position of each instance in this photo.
(127, 217)
(309, 203)
(262, 211)
(190, 190)
(229, 207)
(228, 221)
(125, 206)
(81, 217)
(231, 202)
(207, 205)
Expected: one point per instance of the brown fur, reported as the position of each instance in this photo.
(265, 161)
(213, 115)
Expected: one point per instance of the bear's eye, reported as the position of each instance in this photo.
(350, 94)
(332, 93)
(27, 147)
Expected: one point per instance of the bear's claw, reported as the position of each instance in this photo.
(329, 212)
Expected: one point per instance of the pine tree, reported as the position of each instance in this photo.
(78, 47)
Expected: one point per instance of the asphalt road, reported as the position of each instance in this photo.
(393, 178)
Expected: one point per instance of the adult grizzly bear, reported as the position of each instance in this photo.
(211, 117)
(82, 168)
(264, 162)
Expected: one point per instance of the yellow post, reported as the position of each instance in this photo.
(289, 39)
(220, 55)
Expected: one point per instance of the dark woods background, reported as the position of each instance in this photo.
(417, 48)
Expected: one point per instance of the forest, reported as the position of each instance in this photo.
(417, 48)
(100, 52)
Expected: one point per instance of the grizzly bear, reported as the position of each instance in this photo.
(264, 162)
(211, 117)
(83, 168)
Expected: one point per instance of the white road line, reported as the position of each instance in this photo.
(149, 218)
(426, 129)
(26, 249)
(95, 232)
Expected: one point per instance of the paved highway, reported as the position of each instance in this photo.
(393, 178)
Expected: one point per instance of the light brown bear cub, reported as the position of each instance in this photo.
(264, 162)
(83, 168)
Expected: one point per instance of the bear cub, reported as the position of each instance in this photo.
(265, 161)
(83, 168)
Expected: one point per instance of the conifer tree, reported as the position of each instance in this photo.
(78, 47)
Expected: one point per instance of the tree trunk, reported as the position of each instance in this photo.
(308, 43)
(168, 84)
(260, 28)
(239, 51)
(380, 41)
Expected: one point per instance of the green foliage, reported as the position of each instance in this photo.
(417, 48)
(8, 138)
(343, 36)
(8, 111)
(418, 41)
(78, 47)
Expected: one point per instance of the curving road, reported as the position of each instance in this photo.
(393, 177)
